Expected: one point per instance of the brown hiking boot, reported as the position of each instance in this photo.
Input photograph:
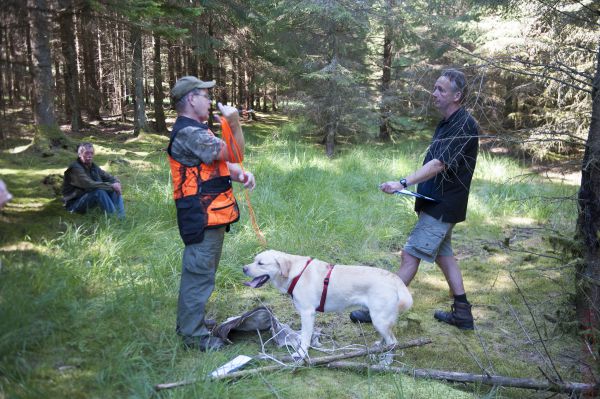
(460, 316)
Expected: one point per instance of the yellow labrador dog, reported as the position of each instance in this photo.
(332, 288)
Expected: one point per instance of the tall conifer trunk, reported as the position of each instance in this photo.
(92, 88)
(384, 125)
(71, 79)
(588, 228)
(139, 114)
(43, 97)
(159, 112)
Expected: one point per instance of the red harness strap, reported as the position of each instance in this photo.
(321, 307)
(295, 280)
(290, 290)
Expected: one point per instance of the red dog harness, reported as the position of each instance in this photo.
(290, 290)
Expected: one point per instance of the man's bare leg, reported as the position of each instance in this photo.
(408, 267)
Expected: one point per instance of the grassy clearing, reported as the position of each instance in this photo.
(88, 303)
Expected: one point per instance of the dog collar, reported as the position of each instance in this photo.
(295, 280)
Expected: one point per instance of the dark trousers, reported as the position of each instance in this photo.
(109, 202)
(198, 272)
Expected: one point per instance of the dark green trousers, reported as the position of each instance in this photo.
(200, 263)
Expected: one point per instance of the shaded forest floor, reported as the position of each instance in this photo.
(88, 303)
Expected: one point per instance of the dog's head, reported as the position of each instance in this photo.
(269, 265)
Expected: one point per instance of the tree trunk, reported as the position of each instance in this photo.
(110, 83)
(29, 89)
(139, 115)
(48, 136)
(10, 67)
(588, 227)
(221, 78)
(159, 112)
(178, 65)
(171, 64)
(71, 79)
(241, 82)
(384, 125)
(91, 89)
(234, 100)
(210, 57)
(330, 139)
(42, 66)
(123, 88)
(3, 70)
(59, 100)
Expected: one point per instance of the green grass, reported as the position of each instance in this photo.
(88, 303)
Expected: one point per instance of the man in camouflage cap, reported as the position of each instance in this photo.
(202, 169)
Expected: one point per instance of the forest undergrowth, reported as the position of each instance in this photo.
(88, 302)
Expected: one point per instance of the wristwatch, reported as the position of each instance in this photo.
(404, 183)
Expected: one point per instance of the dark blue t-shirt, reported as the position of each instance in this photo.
(455, 143)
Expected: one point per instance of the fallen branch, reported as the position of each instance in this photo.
(496, 380)
(316, 361)
(309, 362)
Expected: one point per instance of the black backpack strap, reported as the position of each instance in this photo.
(173, 134)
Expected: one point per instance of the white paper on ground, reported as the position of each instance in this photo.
(231, 366)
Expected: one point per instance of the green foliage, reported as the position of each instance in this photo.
(325, 44)
(544, 57)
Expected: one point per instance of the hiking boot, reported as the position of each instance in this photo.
(360, 316)
(205, 344)
(460, 316)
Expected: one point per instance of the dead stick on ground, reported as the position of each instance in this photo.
(312, 362)
(497, 380)
(362, 352)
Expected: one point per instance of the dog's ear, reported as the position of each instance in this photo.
(284, 265)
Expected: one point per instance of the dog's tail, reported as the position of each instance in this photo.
(405, 299)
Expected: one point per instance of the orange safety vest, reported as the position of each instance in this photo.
(203, 197)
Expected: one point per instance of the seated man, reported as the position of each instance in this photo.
(86, 185)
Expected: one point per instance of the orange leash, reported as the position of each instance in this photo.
(234, 153)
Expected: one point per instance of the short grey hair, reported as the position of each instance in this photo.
(82, 147)
(458, 82)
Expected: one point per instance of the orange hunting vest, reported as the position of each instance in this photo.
(203, 196)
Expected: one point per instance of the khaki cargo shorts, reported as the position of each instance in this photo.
(430, 238)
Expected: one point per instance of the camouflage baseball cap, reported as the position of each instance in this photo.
(186, 84)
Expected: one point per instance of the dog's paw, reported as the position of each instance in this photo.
(382, 344)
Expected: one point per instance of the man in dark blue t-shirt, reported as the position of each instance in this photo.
(446, 177)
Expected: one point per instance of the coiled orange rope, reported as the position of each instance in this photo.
(235, 153)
